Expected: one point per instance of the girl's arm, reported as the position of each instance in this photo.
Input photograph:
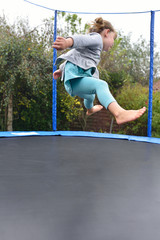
(93, 40)
(79, 41)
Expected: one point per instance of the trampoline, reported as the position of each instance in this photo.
(79, 185)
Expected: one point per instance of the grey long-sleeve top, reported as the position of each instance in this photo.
(84, 53)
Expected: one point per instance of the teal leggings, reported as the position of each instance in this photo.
(87, 87)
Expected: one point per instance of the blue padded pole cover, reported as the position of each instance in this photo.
(54, 85)
(149, 130)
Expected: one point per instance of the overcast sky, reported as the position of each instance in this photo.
(137, 24)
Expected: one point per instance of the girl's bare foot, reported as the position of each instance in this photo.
(129, 115)
(122, 116)
(94, 109)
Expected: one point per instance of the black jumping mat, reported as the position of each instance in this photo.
(79, 188)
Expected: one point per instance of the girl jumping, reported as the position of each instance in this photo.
(80, 73)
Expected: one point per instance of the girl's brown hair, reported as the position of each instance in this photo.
(99, 25)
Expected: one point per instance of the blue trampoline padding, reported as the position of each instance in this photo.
(80, 134)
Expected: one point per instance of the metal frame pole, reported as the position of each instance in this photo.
(54, 83)
(149, 130)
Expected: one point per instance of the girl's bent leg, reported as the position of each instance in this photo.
(89, 85)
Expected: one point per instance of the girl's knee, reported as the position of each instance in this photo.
(103, 84)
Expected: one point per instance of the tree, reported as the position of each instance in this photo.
(25, 76)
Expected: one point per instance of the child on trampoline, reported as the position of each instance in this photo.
(80, 73)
